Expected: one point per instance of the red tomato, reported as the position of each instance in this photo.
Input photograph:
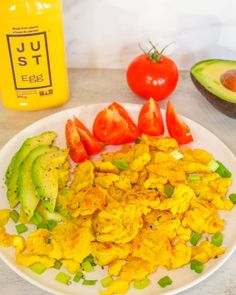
(76, 148)
(117, 107)
(176, 127)
(150, 120)
(91, 144)
(152, 75)
(111, 128)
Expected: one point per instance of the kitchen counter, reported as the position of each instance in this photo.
(93, 86)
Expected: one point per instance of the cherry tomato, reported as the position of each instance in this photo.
(176, 127)
(91, 144)
(150, 120)
(111, 128)
(131, 125)
(152, 75)
(76, 148)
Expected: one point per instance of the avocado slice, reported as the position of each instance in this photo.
(45, 175)
(26, 190)
(12, 173)
(207, 76)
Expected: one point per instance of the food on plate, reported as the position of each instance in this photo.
(144, 206)
(150, 119)
(13, 170)
(74, 143)
(113, 125)
(152, 74)
(91, 144)
(216, 80)
(176, 127)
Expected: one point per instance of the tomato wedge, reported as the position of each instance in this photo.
(91, 144)
(150, 120)
(76, 148)
(176, 127)
(111, 128)
(117, 107)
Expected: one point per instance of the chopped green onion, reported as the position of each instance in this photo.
(137, 141)
(195, 238)
(165, 281)
(232, 198)
(213, 165)
(169, 189)
(87, 266)
(38, 268)
(197, 266)
(176, 154)
(141, 284)
(51, 224)
(223, 171)
(14, 215)
(120, 164)
(57, 264)
(42, 225)
(90, 259)
(217, 239)
(78, 277)
(63, 278)
(37, 218)
(194, 178)
(89, 282)
(106, 281)
(21, 228)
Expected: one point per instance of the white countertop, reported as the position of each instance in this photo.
(92, 86)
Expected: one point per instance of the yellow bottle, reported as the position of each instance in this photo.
(33, 72)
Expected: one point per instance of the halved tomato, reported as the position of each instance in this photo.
(150, 120)
(111, 128)
(91, 144)
(176, 127)
(117, 107)
(76, 148)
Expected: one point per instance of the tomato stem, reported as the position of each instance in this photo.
(153, 54)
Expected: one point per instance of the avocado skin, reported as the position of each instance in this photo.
(226, 107)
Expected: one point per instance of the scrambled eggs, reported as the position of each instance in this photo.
(124, 218)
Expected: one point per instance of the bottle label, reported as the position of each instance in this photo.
(30, 60)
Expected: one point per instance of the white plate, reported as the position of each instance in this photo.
(183, 278)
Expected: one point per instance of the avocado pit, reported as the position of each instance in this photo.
(228, 80)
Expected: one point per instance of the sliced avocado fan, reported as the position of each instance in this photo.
(45, 175)
(12, 173)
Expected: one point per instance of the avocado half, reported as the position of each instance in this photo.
(208, 75)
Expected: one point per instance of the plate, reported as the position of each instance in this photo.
(182, 278)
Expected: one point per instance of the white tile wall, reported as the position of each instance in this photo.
(105, 33)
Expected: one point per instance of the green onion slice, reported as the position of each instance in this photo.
(14, 215)
(141, 284)
(213, 165)
(194, 177)
(223, 171)
(21, 228)
(38, 268)
(176, 154)
(120, 164)
(169, 189)
(63, 278)
(195, 238)
(232, 198)
(57, 264)
(165, 281)
(197, 266)
(37, 218)
(106, 281)
(90, 259)
(78, 277)
(217, 239)
(87, 266)
(89, 282)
